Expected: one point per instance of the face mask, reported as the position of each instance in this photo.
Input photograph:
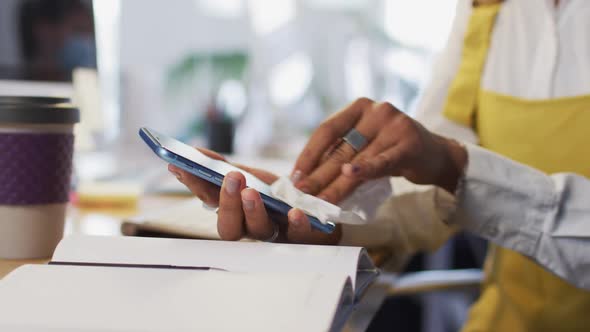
(78, 51)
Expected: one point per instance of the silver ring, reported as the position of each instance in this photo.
(355, 139)
(275, 233)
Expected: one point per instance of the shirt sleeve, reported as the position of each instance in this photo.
(430, 107)
(406, 223)
(546, 218)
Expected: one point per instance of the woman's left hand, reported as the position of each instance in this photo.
(396, 145)
(242, 212)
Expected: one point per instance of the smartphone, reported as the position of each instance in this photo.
(213, 170)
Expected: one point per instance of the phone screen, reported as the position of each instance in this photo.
(218, 166)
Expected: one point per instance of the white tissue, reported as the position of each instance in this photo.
(358, 209)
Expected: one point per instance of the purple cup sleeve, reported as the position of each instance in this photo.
(35, 168)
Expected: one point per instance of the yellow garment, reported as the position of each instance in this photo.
(551, 135)
(462, 95)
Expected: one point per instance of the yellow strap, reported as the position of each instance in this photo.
(462, 96)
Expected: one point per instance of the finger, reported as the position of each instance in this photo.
(332, 129)
(230, 216)
(299, 230)
(211, 154)
(265, 176)
(261, 174)
(350, 178)
(340, 188)
(330, 151)
(373, 124)
(258, 224)
(204, 190)
(383, 164)
(327, 171)
(175, 171)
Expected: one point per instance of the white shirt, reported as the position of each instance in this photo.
(546, 218)
(412, 221)
(537, 51)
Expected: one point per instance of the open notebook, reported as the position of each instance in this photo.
(154, 284)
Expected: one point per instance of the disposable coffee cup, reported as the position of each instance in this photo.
(36, 148)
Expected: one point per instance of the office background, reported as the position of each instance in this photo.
(292, 62)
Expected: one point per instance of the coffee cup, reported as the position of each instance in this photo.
(36, 148)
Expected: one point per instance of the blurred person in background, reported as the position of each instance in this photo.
(56, 36)
(515, 79)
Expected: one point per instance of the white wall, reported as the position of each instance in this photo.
(155, 33)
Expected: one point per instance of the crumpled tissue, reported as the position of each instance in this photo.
(359, 208)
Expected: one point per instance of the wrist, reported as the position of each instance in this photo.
(454, 164)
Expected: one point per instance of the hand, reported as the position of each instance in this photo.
(397, 146)
(241, 210)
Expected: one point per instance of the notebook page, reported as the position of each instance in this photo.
(134, 299)
(365, 275)
(232, 256)
(345, 308)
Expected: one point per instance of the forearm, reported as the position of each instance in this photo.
(407, 223)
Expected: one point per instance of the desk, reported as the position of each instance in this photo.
(102, 221)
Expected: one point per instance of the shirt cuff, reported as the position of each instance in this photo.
(503, 201)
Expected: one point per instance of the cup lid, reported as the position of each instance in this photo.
(33, 100)
(27, 111)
